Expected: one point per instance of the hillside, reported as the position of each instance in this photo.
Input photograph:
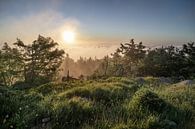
(113, 103)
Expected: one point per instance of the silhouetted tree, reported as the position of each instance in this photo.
(133, 54)
(11, 65)
(42, 59)
(189, 51)
(83, 66)
(117, 65)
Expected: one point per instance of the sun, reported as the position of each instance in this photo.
(69, 36)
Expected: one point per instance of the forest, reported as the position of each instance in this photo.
(135, 87)
(42, 62)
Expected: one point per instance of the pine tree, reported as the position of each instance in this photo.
(42, 59)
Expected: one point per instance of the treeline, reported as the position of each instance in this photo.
(41, 61)
(82, 67)
(32, 64)
(134, 59)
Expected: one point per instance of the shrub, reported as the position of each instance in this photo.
(8, 106)
(149, 100)
(101, 94)
(22, 85)
(73, 114)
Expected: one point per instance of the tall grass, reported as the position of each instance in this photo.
(113, 103)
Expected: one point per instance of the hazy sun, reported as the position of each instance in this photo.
(69, 36)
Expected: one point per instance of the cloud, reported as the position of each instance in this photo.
(47, 23)
(50, 23)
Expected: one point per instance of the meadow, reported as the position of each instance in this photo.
(112, 103)
(97, 64)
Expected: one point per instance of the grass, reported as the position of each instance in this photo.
(113, 103)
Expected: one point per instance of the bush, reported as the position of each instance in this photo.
(9, 106)
(146, 102)
(106, 95)
(149, 100)
(22, 85)
(73, 114)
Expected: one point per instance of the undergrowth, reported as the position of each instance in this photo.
(113, 103)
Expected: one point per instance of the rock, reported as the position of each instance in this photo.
(168, 124)
(165, 80)
(140, 81)
(45, 120)
(186, 82)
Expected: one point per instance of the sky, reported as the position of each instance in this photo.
(99, 25)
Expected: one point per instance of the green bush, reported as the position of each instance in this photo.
(106, 95)
(73, 114)
(146, 99)
(9, 106)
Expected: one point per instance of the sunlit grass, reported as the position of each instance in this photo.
(113, 103)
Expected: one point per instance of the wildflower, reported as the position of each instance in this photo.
(11, 126)
(20, 108)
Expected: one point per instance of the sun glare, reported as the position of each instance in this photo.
(69, 37)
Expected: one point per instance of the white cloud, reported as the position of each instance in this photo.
(46, 23)
(50, 24)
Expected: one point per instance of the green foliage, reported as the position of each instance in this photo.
(11, 65)
(189, 51)
(73, 114)
(108, 94)
(123, 60)
(36, 63)
(8, 107)
(121, 126)
(133, 53)
(113, 103)
(42, 59)
(169, 61)
(133, 59)
(146, 99)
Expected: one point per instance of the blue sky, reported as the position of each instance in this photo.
(100, 21)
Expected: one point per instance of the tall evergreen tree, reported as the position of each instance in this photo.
(42, 59)
(132, 55)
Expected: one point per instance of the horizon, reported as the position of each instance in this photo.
(98, 27)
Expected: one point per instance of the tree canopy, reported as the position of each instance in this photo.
(36, 63)
(134, 59)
